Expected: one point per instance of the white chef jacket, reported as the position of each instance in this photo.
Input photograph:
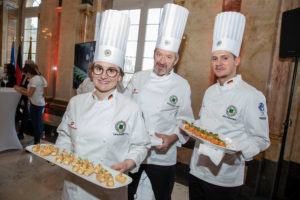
(86, 86)
(105, 132)
(238, 111)
(39, 83)
(164, 101)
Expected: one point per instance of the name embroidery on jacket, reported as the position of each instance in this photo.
(120, 127)
(71, 125)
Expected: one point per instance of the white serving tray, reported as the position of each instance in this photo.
(231, 148)
(92, 178)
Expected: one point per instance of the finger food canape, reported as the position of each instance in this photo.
(36, 148)
(204, 134)
(59, 158)
(110, 181)
(121, 178)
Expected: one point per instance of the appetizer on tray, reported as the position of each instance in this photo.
(213, 139)
(98, 174)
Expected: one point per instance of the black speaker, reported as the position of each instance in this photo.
(290, 34)
(87, 1)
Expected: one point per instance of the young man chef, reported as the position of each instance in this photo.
(164, 98)
(104, 126)
(232, 108)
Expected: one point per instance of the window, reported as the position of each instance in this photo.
(33, 3)
(30, 36)
(153, 19)
(131, 49)
(30, 28)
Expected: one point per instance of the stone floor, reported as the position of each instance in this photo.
(25, 176)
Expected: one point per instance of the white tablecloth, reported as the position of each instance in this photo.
(9, 99)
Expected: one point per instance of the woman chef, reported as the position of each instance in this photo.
(103, 125)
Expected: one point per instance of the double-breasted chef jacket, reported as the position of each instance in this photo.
(238, 111)
(165, 101)
(106, 132)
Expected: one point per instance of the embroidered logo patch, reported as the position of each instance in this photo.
(120, 127)
(261, 108)
(167, 42)
(72, 126)
(107, 52)
(231, 111)
(173, 99)
(219, 42)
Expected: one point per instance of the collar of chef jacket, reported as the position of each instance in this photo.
(155, 77)
(231, 83)
(109, 99)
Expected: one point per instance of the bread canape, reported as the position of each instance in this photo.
(89, 170)
(36, 148)
(119, 177)
(59, 158)
(110, 181)
(98, 168)
(67, 160)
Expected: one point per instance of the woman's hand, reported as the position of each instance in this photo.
(124, 166)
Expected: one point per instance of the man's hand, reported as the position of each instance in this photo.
(168, 141)
(124, 166)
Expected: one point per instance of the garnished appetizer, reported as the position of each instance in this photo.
(110, 181)
(54, 150)
(59, 158)
(121, 178)
(98, 168)
(76, 161)
(100, 176)
(89, 170)
(67, 160)
(201, 133)
(36, 148)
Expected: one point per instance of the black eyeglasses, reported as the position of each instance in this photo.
(110, 72)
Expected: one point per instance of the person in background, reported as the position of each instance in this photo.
(233, 109)
(104, 126)
(10, 72)
(164, 98)
(87, 85)
(35, 93)
(23, 108)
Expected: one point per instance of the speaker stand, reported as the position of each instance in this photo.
(286, 126)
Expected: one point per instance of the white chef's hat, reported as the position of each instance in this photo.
(112, 38)
(228, 32)
(171, 27)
